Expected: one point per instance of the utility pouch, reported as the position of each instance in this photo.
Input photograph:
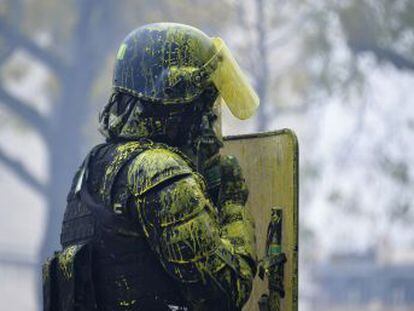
(67, 280)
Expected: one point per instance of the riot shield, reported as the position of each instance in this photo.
(270, 166)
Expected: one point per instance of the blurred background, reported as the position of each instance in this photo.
(339, 73)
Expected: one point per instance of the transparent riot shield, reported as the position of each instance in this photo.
(270, 166)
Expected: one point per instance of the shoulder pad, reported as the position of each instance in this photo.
(154, 166)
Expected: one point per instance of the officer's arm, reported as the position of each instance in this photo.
(191, 239)
(236, 221)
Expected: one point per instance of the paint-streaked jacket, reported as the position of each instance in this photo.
(158, 233)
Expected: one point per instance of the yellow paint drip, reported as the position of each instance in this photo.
(65, 260)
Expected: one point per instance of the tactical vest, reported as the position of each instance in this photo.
(106, 262)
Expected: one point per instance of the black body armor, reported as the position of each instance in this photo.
(106, 262)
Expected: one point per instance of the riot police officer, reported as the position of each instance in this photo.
(156, 217)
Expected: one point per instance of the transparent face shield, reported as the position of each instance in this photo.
(233, 86)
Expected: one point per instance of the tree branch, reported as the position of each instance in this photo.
(21, 171)
(296, 109)
(4, 56)
(263, 74)
(250, 58)
(17, 38)
(17, 261)
(24, 111)
(383, 54)
(280, 38)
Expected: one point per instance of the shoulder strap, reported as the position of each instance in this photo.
(124, 153)
(79, 221)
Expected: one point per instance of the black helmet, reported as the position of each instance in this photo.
(172, 63)
(164, 63)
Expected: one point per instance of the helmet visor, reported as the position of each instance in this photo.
(232, 84)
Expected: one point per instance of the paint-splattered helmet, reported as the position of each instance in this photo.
(172, 63)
